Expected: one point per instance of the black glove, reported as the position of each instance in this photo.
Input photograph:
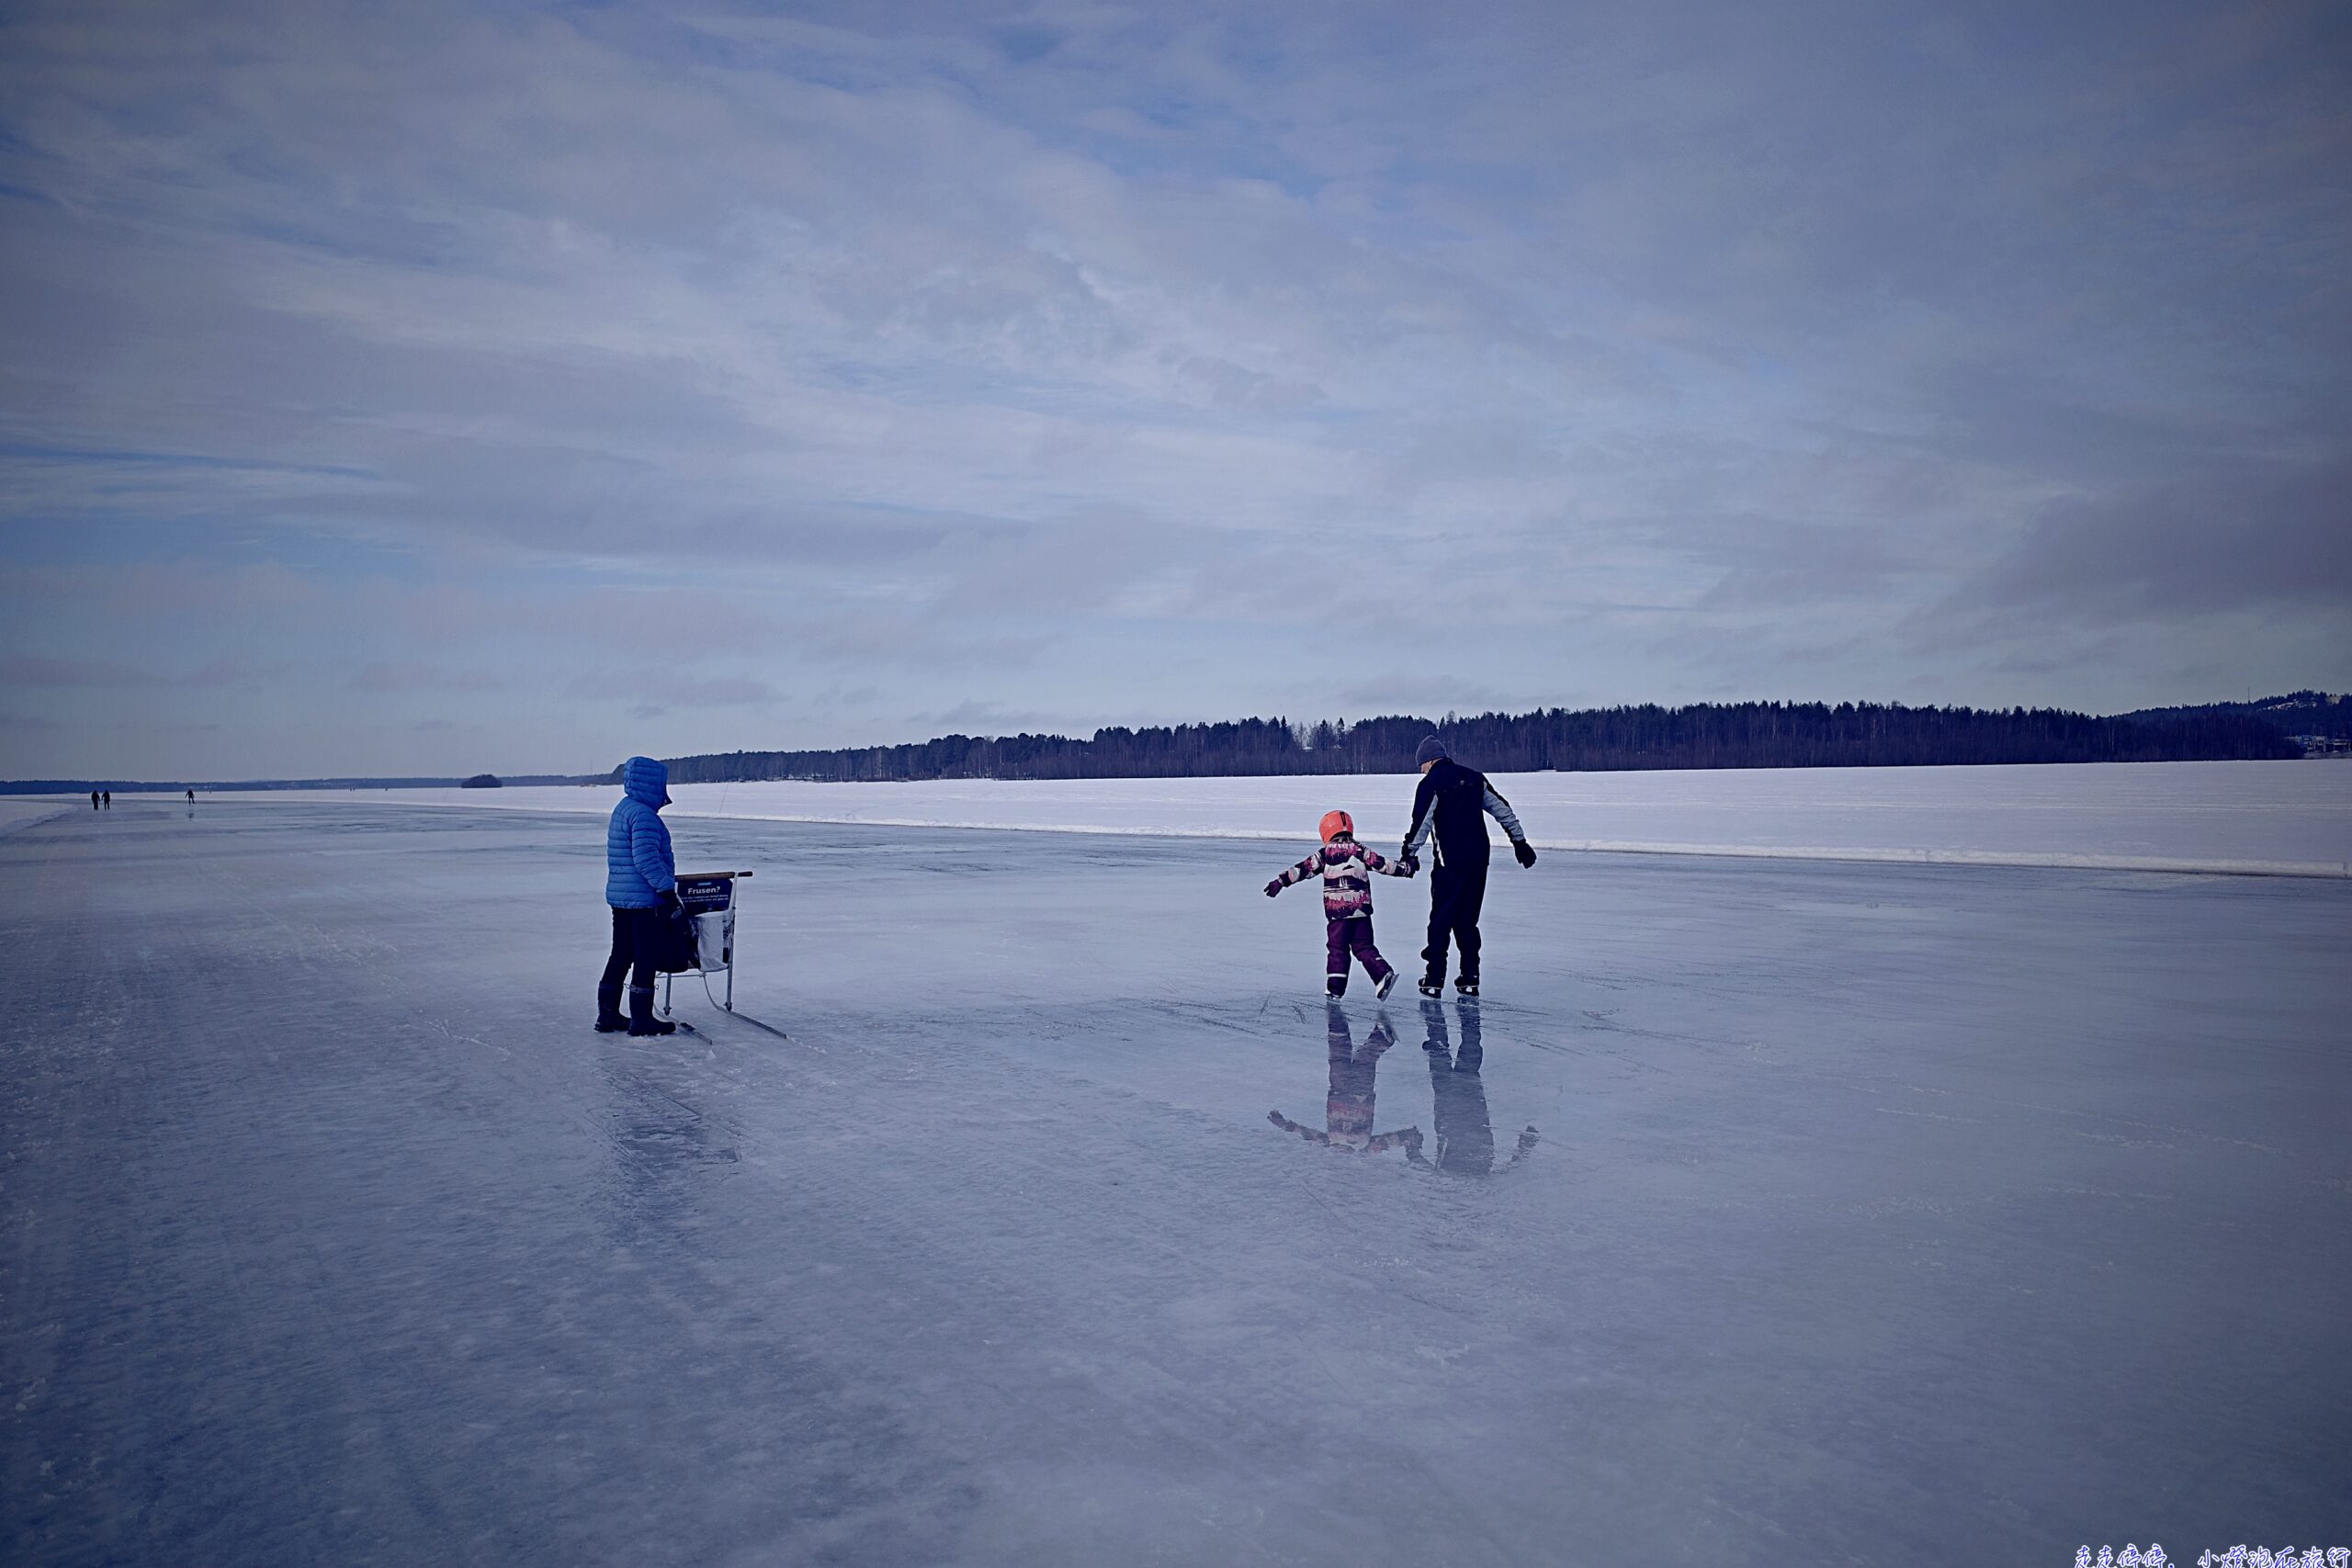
(1524, 851)
(666, 901)
(1412, 866)
(1274, 887)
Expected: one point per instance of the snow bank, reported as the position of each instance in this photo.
(2289, 818)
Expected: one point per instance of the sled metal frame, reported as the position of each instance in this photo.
(728, 1004)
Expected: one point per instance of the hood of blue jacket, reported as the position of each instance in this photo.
(644, 779)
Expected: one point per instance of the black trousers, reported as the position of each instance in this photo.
(1457, 892)
(635, 942)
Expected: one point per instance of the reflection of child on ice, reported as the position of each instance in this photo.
(1348, 1111)
(1347, 901)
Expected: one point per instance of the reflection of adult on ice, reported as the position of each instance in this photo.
(1465, 1133)
(1451, 807)
(640, 884)
(1348, 1111)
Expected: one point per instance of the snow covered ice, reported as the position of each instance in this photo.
(1870, 1212)
(2280, 819)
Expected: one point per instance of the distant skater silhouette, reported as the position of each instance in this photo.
(94, 800)
(110, 794)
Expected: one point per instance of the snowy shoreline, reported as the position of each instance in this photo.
(2284, 818)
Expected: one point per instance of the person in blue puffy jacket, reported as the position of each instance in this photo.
(642, 886)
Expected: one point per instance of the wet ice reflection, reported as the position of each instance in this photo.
(1464, 1128)
(1465, 1132)
(1347, 1109)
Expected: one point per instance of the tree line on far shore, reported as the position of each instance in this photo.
(1703, 735)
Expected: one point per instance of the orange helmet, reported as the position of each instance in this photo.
(1336, 823)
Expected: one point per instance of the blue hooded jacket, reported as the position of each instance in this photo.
(638, 865)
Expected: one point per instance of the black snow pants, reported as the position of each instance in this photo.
(1457, 892)
(636, 939)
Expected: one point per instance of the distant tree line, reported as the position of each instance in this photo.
(1704, 735)
(2315, 716)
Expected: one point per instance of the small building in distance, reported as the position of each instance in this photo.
(482, 780)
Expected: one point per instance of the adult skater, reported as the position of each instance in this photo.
(109, 795)
(94, 800)
(642, 886)
(1451, 807)
(191, 797)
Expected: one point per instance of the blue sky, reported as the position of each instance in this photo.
(432, 387)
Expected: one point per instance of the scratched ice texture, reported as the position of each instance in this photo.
(1763, 1211)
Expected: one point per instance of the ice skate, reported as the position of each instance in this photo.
(1382, 986)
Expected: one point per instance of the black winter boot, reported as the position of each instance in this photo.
(641, 1013)
(609, 1011)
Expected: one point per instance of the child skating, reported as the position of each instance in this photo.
(1346, 866)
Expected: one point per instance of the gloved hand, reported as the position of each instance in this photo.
(1524, 851)
(1410, 866)
(668, 900)
(1274, 887)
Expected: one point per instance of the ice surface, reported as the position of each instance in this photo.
(2292, 818)
(1873, 1213)
(22, 811)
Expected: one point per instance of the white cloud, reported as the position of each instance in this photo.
(1042, 359)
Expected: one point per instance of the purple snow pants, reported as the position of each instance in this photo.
(1352, 936)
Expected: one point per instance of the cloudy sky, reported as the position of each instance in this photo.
(436, 387)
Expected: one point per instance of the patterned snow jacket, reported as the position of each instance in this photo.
(1347, 890)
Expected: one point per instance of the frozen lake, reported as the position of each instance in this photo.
(2277, 818)
(1870, 1213)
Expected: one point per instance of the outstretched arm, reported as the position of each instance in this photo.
(1385, 866)
(1499, 809)
(1311, 1134)
(1311, 866)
